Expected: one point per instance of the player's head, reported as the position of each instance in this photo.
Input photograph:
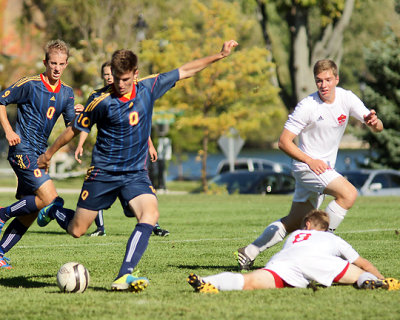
(56, 59)
(326, 78)
(124, 70)
(106, 74)
(316, 220)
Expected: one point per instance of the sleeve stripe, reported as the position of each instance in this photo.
(25, 80)
(95, 102)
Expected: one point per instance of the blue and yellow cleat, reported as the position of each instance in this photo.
(44, 218)
(4, 263)
(199, 285)
(128, 282)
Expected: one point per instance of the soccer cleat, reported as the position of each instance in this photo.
(387, 284)
(157, 231)
(199, 285)
(4, 263)
(43, 218)
(98, 233)
(129, 282)
(392, 284)
(244, 261)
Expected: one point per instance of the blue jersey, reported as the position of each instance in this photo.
(124, 124)
(39, 107)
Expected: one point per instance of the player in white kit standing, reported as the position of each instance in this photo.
(319, 121)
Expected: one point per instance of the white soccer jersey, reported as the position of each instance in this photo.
(320, 126)
(312, 255)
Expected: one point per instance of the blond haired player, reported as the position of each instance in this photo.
(319, 122)
(310, 254)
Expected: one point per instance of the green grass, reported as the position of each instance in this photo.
(205, 231)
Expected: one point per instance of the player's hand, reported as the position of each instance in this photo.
(43, 162)
(371, 119)
(13, 138)
(318, 166)
(78, 154)
(153, 154)
(78, 108)
(227, 47)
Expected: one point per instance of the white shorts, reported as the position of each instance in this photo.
(310, 186)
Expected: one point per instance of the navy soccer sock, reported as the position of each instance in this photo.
(135, 247)
(22, 207)
(99, 220)
(62, 215)
(12, 235)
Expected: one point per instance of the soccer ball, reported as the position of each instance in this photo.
(73, 277)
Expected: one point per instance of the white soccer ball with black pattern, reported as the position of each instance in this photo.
(73, 277)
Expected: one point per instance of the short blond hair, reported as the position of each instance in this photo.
(324, 65)
(318, 219)
(56, 45)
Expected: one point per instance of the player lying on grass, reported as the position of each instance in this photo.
(310, 254)
(123, 114)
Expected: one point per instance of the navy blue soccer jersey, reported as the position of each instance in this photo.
(39, 107)
(124, 124)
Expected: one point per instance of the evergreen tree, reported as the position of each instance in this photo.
(382, 93)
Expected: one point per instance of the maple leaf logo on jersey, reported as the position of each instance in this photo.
(342, 119)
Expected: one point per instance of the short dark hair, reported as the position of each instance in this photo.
(105, 64)
(324, 65)
(56, 45)
(123, 61)
(318, 219)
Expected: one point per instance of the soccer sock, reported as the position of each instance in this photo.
(272, 234)
(336, 215)
(226, 281)
(62, 215)
(22, 207)
(12, 235)
(99, 220)
(135, 247)
(364, 277)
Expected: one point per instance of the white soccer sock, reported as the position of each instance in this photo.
(336, 215)
(272, 234)
(226, 281)
(365, 276)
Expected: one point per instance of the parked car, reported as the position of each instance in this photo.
(382, 182)
(255, 182)
(252, 164)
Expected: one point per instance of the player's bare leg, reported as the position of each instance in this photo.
(81, 222)
(345, 195)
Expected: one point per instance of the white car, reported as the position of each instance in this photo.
(253, 164)
(380, 182)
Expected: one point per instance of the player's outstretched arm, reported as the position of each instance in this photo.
(372, 121)
(368, 266)
(191, 68)
(44, 159)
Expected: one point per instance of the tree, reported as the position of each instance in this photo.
(236, 92)
(382, 93)
(315, 31)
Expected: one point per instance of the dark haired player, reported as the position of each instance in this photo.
(123, 114)
(40, 100)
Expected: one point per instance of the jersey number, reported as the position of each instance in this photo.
(134, 118)
(301, 237)
(50, 112)
(6, 94)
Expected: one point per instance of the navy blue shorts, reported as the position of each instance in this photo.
(29, 176)
(101, 189)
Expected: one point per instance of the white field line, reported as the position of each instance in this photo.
(178, 241)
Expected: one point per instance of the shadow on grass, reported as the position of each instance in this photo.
(196, 266)
(26, 282)
(48, 232)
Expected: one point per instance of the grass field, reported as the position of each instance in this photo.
(205, 231)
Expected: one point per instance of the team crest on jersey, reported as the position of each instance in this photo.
(342, 119)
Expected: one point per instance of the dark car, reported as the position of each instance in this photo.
(255, 182)
(382, 182)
